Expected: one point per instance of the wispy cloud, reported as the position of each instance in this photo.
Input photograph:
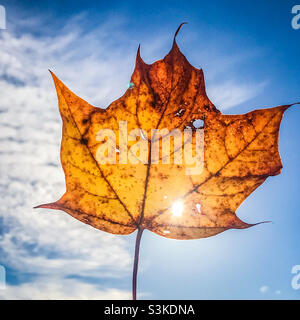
(61, 289)
(264, 289)
(278, 292)
(230, 94)
(51, 243)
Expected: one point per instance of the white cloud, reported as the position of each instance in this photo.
(278, 292)
(264, 289)
(61, 289)
(47, 243)
(230, 94)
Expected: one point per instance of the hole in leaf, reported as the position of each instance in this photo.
(180, 112)
(198, 124)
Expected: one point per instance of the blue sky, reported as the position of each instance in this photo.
(250, 57)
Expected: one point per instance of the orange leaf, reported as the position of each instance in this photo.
(240, 152)
(146, 162)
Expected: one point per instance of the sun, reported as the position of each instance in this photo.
(177, 208)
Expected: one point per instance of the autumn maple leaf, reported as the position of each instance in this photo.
(240, 152)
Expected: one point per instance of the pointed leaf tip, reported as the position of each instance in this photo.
(258, 223)
(174, 45)
(287, 106)
(52, 74)
(46, 206)
(139, 61)
(39, 206)
(138, 54)
(177, 31)
(294, 104)
(54, 77)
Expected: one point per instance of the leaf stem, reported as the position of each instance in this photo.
(136, 262)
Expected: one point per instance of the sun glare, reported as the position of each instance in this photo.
(177, 208)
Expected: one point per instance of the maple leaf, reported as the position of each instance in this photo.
(240, 152)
